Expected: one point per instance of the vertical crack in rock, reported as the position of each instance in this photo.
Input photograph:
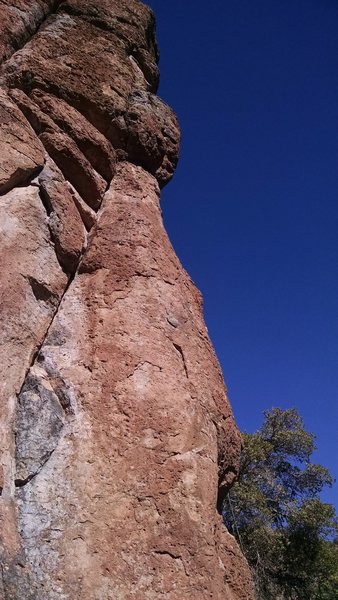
(42, 406)
(180, 351)
(45, 201)
(117, 445)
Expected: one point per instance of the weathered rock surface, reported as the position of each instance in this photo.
(21, 152)
(62, 59)
(31, 287)
(20, 19)
(90, 141)
(117, 439)
(65, 223)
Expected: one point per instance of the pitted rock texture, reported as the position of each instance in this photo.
(117, 439)
(20, 19)
(21, 151)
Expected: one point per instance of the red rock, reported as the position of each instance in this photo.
(87, 214)
(65, 222)
(117, 440)
(38, 120)
(111, 93)
(19, 20)
(153, 135)
(134, 24)
(149, 427)
(94, 146)
(63, 59)
(75, 167)
(21, 152)
(67, 151)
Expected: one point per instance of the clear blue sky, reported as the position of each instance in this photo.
(253, 208)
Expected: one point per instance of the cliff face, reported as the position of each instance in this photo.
(117, 438)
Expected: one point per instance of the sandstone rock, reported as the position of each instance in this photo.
(117, 441)
(75, 167)
(134, 24)
(19, 20)
(65, 151)
(38, 120)
(147, 407)
(21, 152)
(149, 133)
(65, 223)
(95, 147)
(31, 286)
(112, 93)
(46, 113)
(31, 282)
(63, 59)
(87, 214)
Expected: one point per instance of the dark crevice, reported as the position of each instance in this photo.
(70, 281)
(224, 487)
(37, 355)
(226, 474)
(85, 107)
(67, 262)
(64, 400)
(168, 553)
(19, 483)
(41, 291)
(38, 349)
(70, 167)
(45, 201)
(37, 352)
(23, 182)
(180, 351)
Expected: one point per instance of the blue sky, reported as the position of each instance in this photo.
(253, 208)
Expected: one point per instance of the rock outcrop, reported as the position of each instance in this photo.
(117, 439)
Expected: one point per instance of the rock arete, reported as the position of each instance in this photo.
(117, 441)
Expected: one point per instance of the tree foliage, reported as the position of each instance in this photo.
(289, 536)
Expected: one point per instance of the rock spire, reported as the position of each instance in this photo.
(117, 438)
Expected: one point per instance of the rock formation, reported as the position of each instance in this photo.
(117, 438)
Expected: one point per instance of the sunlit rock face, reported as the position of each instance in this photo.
(117, 439)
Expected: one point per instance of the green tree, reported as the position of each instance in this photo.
(287, 533)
